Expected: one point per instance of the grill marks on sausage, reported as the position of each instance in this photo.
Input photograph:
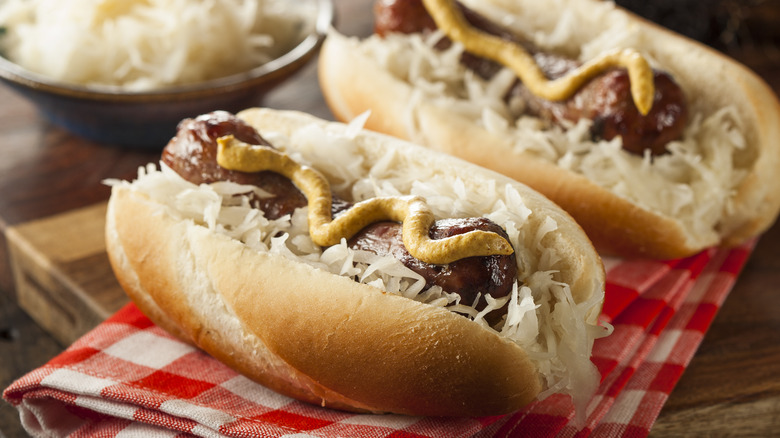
(605, 99)
(192, 153)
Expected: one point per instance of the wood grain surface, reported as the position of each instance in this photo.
(51, 194)
(62, 275)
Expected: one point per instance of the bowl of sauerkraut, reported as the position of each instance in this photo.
(126, 71)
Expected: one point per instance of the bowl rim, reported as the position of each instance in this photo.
(277, 67)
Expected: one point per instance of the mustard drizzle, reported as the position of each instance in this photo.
(412, 211)
(451, 21)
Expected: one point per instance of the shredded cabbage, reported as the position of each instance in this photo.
(147, 44)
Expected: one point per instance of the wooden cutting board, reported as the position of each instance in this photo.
(62, 274)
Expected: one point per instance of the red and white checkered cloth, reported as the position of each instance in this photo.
(129, 378)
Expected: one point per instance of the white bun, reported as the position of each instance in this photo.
(353, 82)
(324, 338)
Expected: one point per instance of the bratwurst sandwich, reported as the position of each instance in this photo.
(356, 271)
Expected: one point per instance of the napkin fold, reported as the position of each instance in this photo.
(127, 377)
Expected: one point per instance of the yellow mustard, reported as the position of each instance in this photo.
(451, 21)
(411, 211)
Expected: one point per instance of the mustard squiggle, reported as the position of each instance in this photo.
(325, 230)
(451, 21)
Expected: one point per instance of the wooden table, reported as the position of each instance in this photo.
(732, 387)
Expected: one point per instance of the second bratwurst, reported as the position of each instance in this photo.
(606, 99)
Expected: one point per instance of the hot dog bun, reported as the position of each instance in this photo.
(701, 197)
(326, 339)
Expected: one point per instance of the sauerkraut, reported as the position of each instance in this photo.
(695, 182)
(148, 44)
(542, 317)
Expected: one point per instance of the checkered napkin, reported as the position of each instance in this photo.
(129, 378)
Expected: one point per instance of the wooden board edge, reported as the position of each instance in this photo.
(62, 276)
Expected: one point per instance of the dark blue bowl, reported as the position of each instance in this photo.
(149, 119)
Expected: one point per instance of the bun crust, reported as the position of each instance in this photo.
(353, 83)
(320, 337)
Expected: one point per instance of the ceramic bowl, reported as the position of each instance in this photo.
(148, 119)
